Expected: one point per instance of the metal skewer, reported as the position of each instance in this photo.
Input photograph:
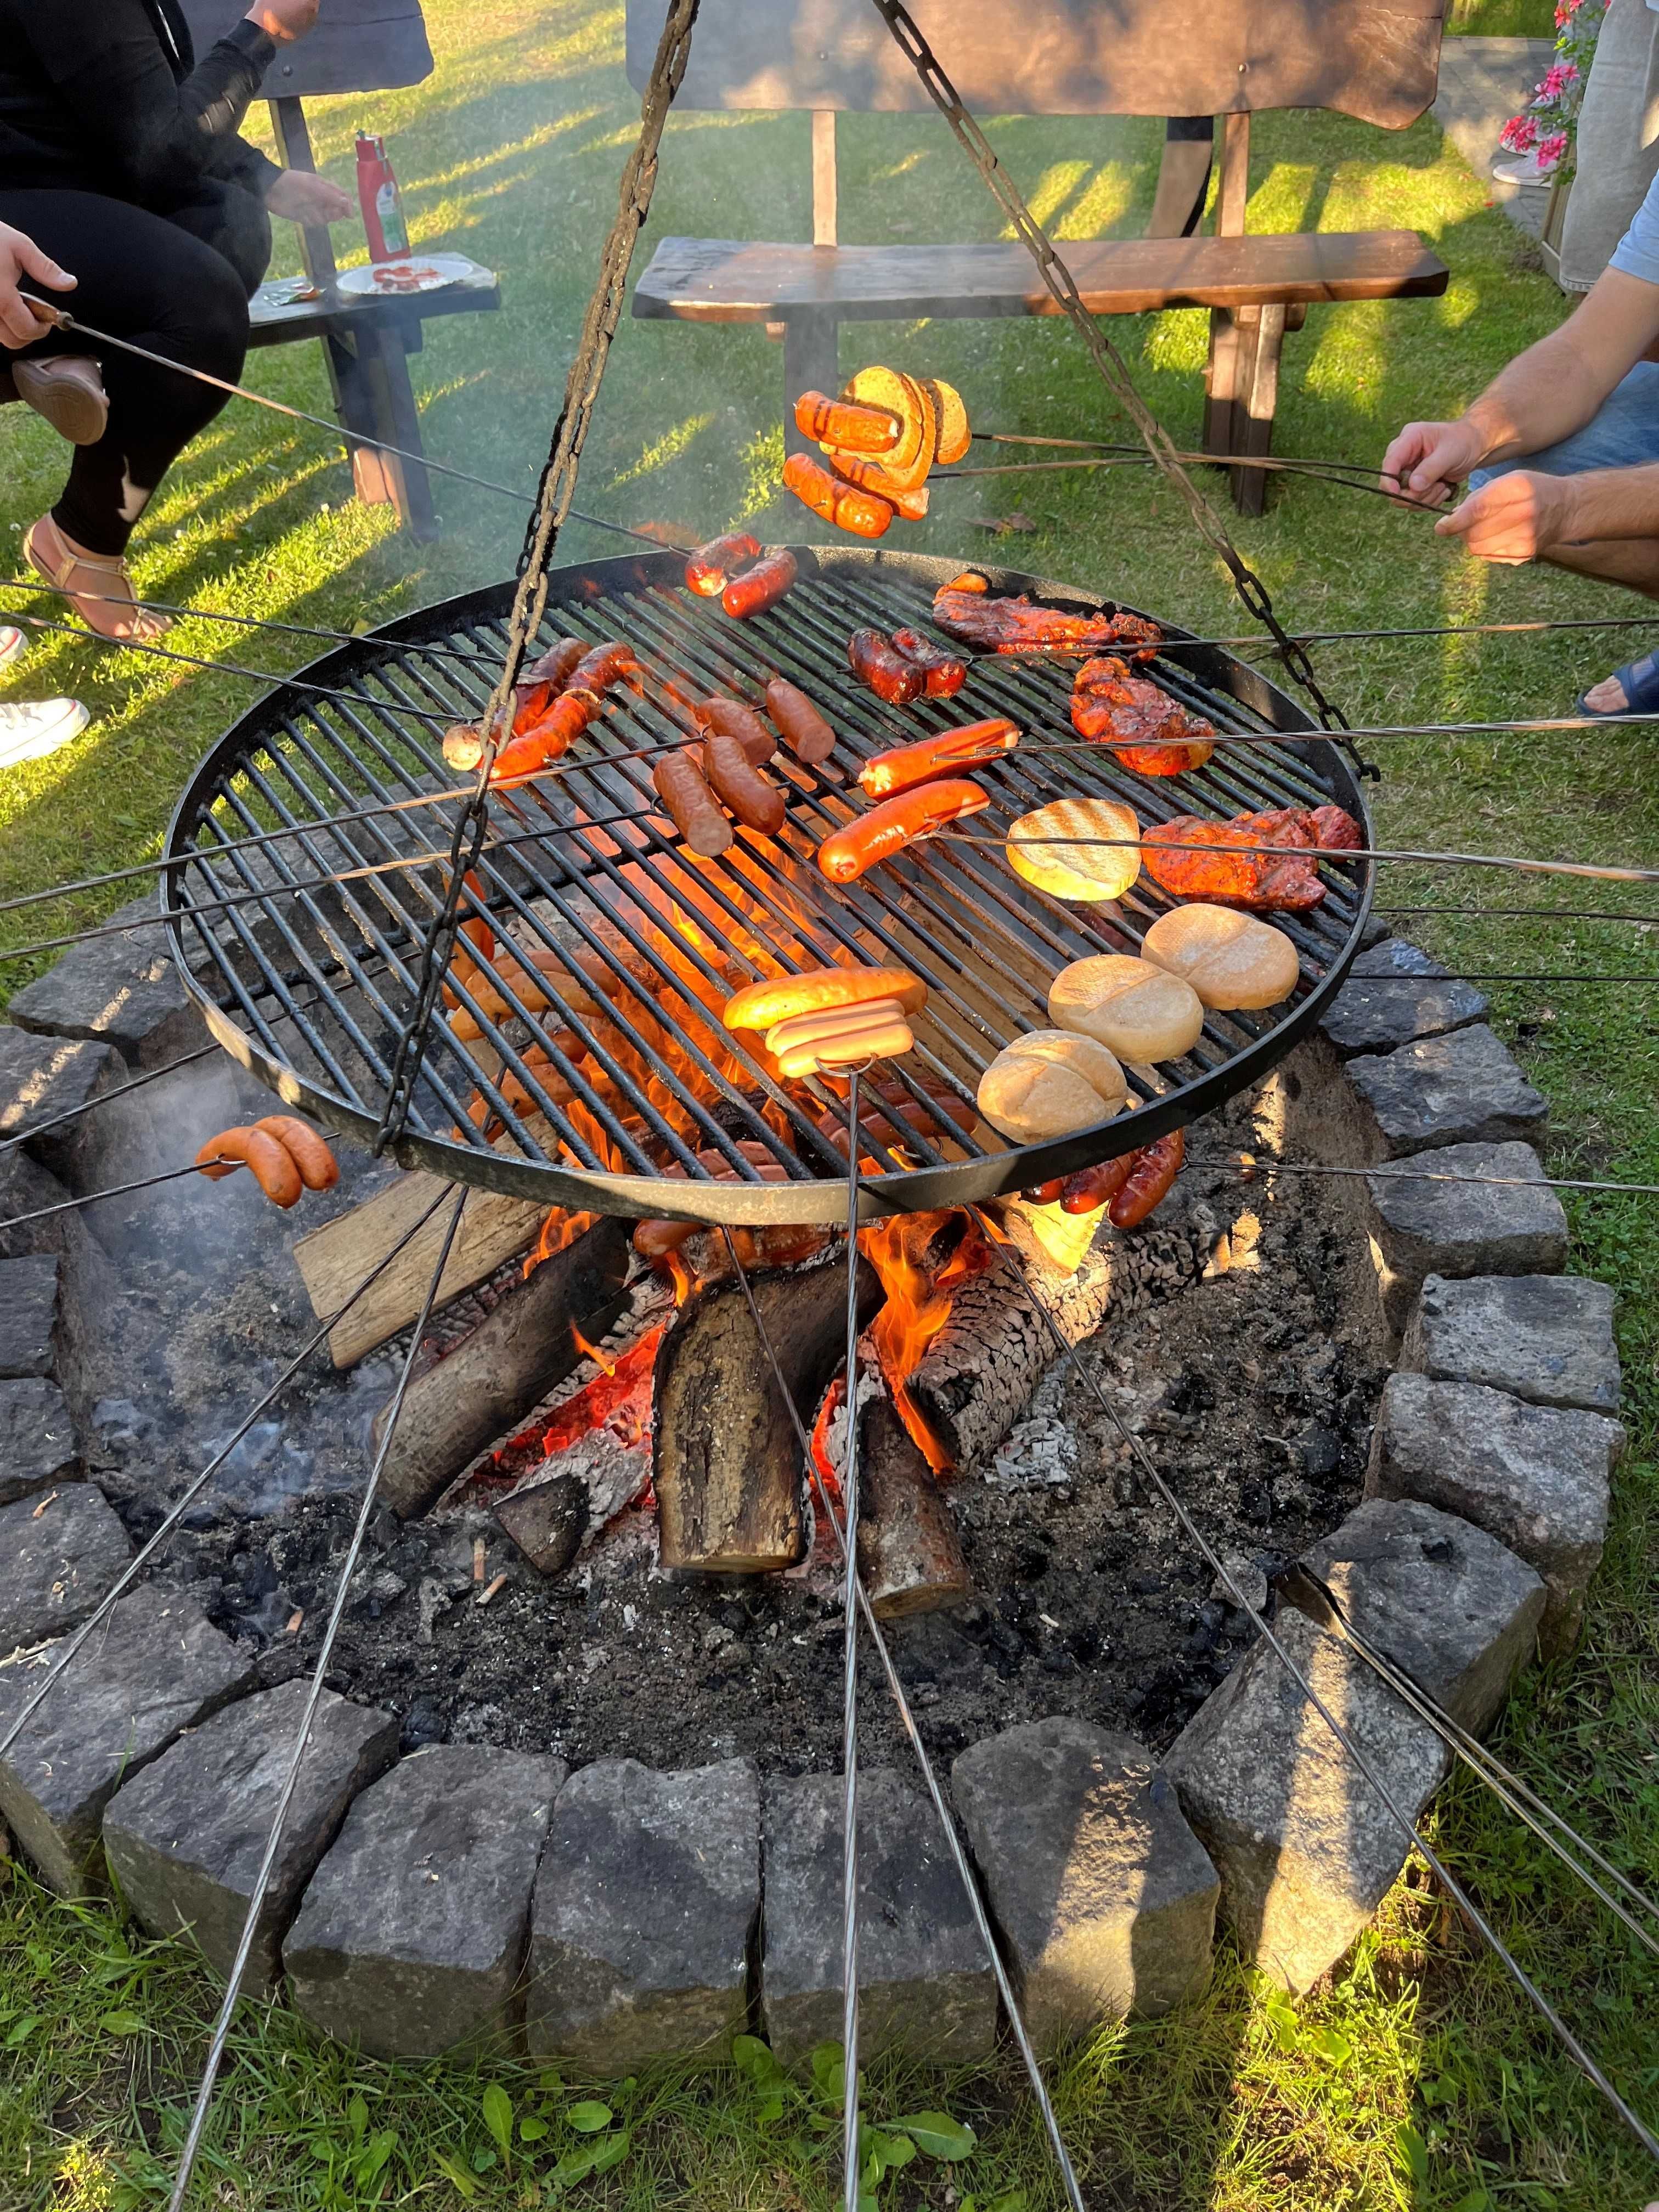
(849, 1860)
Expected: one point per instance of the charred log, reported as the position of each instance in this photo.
(909, 1558)
(493, 1377)
(547, 1521)
(725, 1461)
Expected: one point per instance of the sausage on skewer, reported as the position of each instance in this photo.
(733, 719)
(757, 803)
(1151, 1171)
(709, 568)
(860, 512)
(905, 766)
(887, 829)
(804, 730)
(946, 673)
(846, 422)
(680, 786)
(876, 661)
(760, 587)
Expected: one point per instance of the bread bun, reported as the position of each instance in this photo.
(1048, 1084)
(777, 998)
(1140, 1011)
(1230, 959)
(1077, 871)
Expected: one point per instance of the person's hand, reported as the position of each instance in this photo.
(303, 197)
(1428, 458)
(1515, 518)
(284, 20)
(21, 257)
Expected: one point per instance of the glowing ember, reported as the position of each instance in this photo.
(919, 1301)
(618, 1398)
(822, 1466)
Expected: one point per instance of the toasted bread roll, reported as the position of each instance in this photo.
(777, 998)
(1080, 871)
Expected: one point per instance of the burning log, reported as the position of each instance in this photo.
(910, 1560)
(496, 1375)
(978, 1372)
(725, 1461)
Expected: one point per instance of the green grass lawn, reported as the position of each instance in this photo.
(1417, 2077)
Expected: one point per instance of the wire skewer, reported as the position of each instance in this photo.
(849, 1865)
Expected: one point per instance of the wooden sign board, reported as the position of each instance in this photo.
(1062, 56)
(357, 46)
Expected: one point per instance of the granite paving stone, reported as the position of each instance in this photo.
(1450, 1605)
(1466, 1088)
(186, 1837)
(410, 1939)
(1496, 1216)
(925, 1987)
(1536, 1478)
(29, 1315)
(1545, 1338)
(59, 1555)
(1101, 1893)
(41, 1078)
(646, 1904)
(1374, 1011)
(38, 1444)
(158, 1667)
(123, 991)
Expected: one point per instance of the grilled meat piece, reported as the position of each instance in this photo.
(963, 610)
(1235, 871)
(1150, 732)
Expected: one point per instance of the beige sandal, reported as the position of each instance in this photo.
(99, 605)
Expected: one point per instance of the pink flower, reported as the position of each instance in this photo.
(1549, 151)
(1556, 81)
(1520, 134)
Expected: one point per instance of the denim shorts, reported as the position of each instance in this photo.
(1624, 435)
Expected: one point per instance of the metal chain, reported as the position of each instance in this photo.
(1106, 357)
(553, 498)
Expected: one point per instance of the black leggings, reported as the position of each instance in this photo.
(156, 280)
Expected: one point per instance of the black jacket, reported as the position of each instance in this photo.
(107, 96)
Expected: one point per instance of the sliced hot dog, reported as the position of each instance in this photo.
(872, 1040)
(777, 998)
(895, 823)
(804, 730)
(757, 803)
(829, 1022)
(318, 1168)
(760, 587)
(905, 766)
(681, 788)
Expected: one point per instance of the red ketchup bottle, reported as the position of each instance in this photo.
(381, 201)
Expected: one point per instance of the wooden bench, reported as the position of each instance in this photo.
(1074, 57)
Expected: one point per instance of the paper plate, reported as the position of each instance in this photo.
(399, 280)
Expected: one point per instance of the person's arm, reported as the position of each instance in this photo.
(1526, 515)
(21, 260)
(107, 64)
(1545, 394)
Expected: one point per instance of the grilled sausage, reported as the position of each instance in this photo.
(859, 512)
(733, 719)
(946, 671)
(845, 423)
(318, 1169)
(602, 665)
(777, 998)
(1153, 1169)
(1090, 1188)
(951, 750)
(1043, 1193)
(760, 587)
(804, 730)
(757, 803)
(887, 829)
(870, 476)
(707, 569)
(875, 662)
(556, 664)
(272, 1164)
(680, 786)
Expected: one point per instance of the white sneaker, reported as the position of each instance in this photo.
(31, 731)
(1525, 169)
(11, 644)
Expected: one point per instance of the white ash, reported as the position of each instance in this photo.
(1041, 1448)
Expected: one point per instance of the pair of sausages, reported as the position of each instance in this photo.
(904, 666)
(843, 505)
(736, 570)
(285, 1155)
(1131, 1186)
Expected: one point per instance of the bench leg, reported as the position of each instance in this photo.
(354, 404)
(1221, 380)
(384, 358)
(811, 364)
(1254, 407)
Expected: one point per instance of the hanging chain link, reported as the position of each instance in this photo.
(1106, 357)
(554, 494)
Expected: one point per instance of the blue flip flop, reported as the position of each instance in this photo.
(1639, 680)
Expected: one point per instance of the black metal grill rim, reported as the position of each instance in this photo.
(961, 895)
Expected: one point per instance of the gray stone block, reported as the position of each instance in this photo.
(1463, 1088)
(1305, 1846)
(1373, 1012)
(1545, 1338)
(38, 1444)
(1101, 1895)
(186, 1837)
(410, 1939)
(1448, 1604)
(647, 1903)
(57, 1557)
(1535, 1478)
(1496, 1216)
(123, 991)
(25, 1190)
(42, 1077)
(28, 1316)
(925, 1986)
(157, 1667)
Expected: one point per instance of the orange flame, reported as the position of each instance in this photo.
(918, 1305)
(822, 1466)
(680, 1275)
(559, 1231)
(591, 1351)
